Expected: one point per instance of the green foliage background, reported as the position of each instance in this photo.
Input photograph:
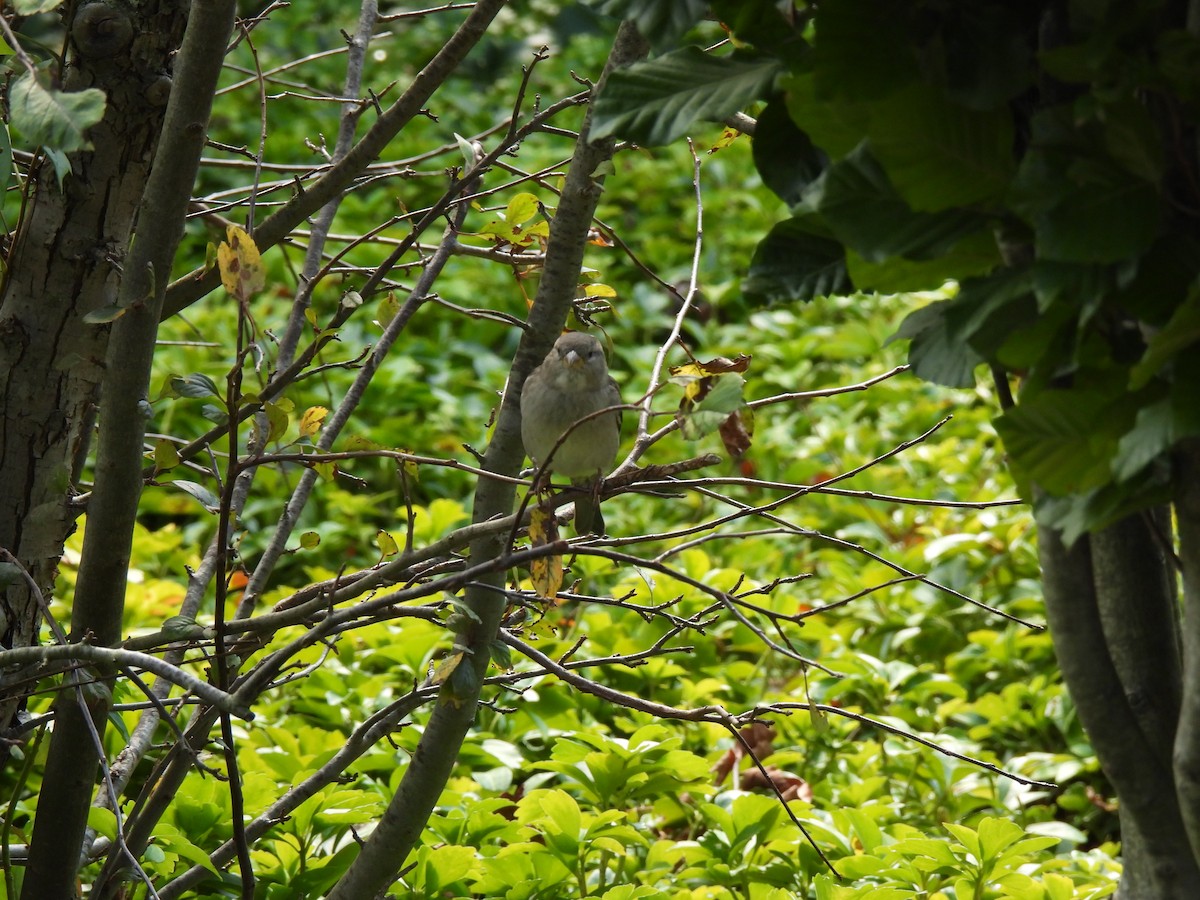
(558, 793)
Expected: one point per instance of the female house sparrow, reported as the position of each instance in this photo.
(573, 382)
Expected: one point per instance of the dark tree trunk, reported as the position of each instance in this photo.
(66, 262)
(1113, 614)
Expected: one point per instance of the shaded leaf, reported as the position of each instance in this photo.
(864, 211)
(51, 117)
(193, 386)
(783, 154)
(661, 22)
(104, 314)
(793, 264)
(210, 501)
(933, 354)
(657, 101)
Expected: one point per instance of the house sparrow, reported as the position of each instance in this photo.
(573, 382)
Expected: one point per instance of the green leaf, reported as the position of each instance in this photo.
(33, 7)
(1065, 439)
(207, 498)
(866, 213)
(562, 813)
(501, 655)
(661, 22)
(6, 159)
(996, 834)
(165, 455)
(863, 49)
(783, 154)
(50, 117)
(723, 399)
(793, 264)
(657, 101)
(836, 127)
(934, 354)
(194, 386)
(104, 314)
(1181, 332)
(938, 154)
(974, 255)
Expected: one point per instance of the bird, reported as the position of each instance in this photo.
(573, 382)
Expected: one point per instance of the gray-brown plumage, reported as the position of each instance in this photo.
(571, 383)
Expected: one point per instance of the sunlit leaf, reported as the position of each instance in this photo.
(386, 543)
(165, 455)
(310, 421)
(241, 264)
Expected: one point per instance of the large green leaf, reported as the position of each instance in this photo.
(1182, 332)
(976, 254)
(50, 117)
(862, 49)
(657, 101)
(938, 154)
(865, 213)
(1084, 207)
(1065, 440)
(934, 354)
(792, 263)
(661, 22)
(783, 154)
(836, 126)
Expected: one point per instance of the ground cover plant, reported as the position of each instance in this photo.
(322, 640)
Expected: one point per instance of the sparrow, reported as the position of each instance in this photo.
(571, 383)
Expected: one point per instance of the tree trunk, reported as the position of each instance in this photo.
(66, 262)
(1112, 612)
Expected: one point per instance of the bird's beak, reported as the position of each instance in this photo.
(573, 360)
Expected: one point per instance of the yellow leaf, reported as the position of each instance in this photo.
(386, 543)
(599, 290)
(728, 136)
(310, 540)
(310, 422)
(446, 667)
(546, 572)
(241, 264)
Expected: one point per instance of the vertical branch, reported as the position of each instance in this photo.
(103, 571)
(399, 829)
(1150, 819)
(351, 111)
(1187, 739)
